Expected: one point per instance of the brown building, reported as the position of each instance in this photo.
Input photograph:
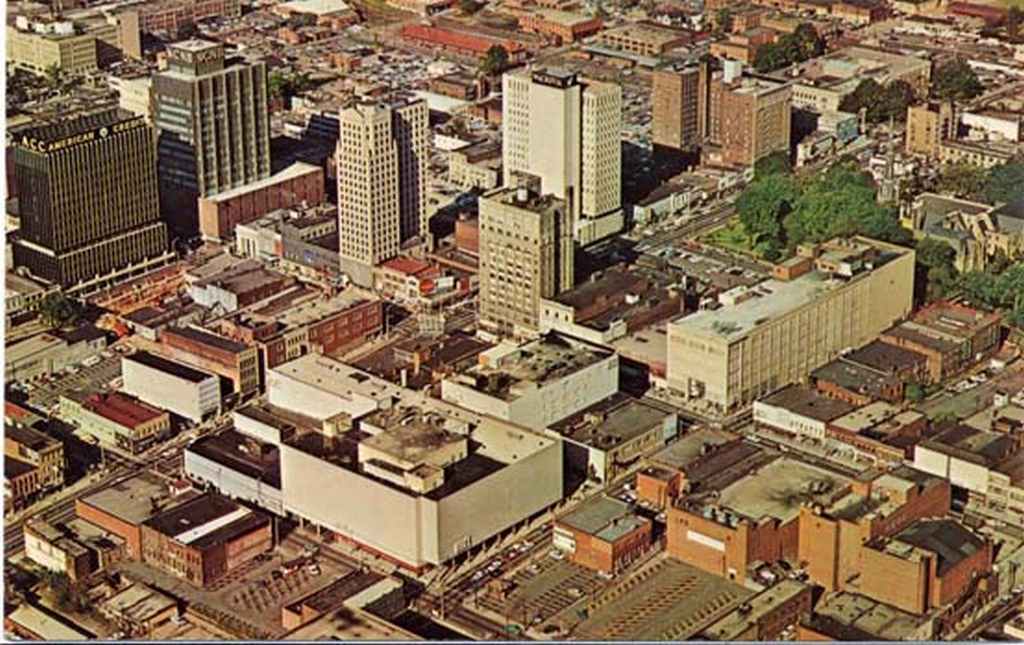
(231, 359)
(765, 616)
(603, 534)
(205, 538)
(40, 450)
(175, 17)
(856, 384)
(459, 86)
(930, 564)
(563, 26)
(904, 364)
(284, 331)
(832, 537)
(749, 118)
(22, 483)
(122, 508)
(300, 183)
(679, 102)
(928, 125)
(950, 335)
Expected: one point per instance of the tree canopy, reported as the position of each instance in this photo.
(57, 310)
(803, 44)
(495, 61)
(1005, 183)
(881, 102)
(955, 80)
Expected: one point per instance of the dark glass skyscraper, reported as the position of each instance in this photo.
(88, 198)
(214, 128)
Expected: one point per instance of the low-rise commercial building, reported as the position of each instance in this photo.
(475, 165)
(846, 616)
(799, 410)
(42, 451)
(238, 286)
(237, 362)
(22, 484)
(537, 383)
(44, 354)
(22, 295)
(765, 616)
(300, 183)
(603, 534)
(205, 538)
(563, 26)
(604, 440)
(880, 430)
(139, 609)
(115, 419)
(643, 39)
(238, 464)
(76, 548)
(172, 386)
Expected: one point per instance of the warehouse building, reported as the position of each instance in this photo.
(537, 383)
(183, 390)
(239, 465)
(234, 361)
(603, 534)
(205, 538)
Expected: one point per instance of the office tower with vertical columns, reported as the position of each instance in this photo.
(89, 207)
(679, 105)
(566, 132)
(214, 128)
(381, 162)
(526, 254)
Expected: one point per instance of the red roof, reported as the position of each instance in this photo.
(16, 412)
(407, 265)
(457, 39)
(977, 10)
(122, 409)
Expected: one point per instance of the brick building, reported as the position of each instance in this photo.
(765, 616)
(603, 534)
(563, 26)
(470, 46)
(205, 538)
(831, 538)
(115, 419)
(930, 564)
(300, 183)
(38, 449)
(231, 359)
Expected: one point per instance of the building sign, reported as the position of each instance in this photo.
(562, 80)
(39, 145)
(200, 56)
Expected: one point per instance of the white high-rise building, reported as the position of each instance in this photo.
(568, 134)
(381, 162)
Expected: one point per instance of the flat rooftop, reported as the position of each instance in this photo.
(885, 357)
(508, 370)
(243, 454)
(675, 602)
(29, 437)
(206, 521)
(690, 446)
(778, 489)
(612, 422)
(203, 337)
(81, 125)
(167, 366)
(808, 402)
(595, 515)
(851, 616)
(121, 408)
(866, 417)
(948, 539)
(975, 445)
(131, 500)
(856, 377)
(733, 625)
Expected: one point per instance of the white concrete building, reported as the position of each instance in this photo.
(173, 386)
(536, 383)
(566, 132)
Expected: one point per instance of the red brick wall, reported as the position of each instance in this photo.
(129, 532)
(347, 326)
(219, 219)
(955, 583)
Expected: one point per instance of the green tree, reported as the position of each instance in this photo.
(914, 392)
(723, 19)
(961, 180)
(936, 276)
(495, 61)
(470, 6)
(862, 96)
(809, 42)
(54, 76)
(955, 80)
(893, 103)
(777, 163)
(57, 310)
(763, 206)
(839, 203)
(1005, 183)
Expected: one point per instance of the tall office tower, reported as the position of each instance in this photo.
(88, 197)
(526, 253)
(568, 134)
(679, 100)
(410, 127)
(214, 128)
(748, 117)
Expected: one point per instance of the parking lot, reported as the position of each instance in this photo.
(253, 594)
(44, 393)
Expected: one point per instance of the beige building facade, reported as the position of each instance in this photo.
(566, 132)
(775, 333)
(526, 254)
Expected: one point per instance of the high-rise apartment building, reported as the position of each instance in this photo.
(214, 127)
(748, 117)
(381, 164)
(679, 102)
(567, 133)
(928, 125)
(526, 254)
(88, 198)
(735, 118)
